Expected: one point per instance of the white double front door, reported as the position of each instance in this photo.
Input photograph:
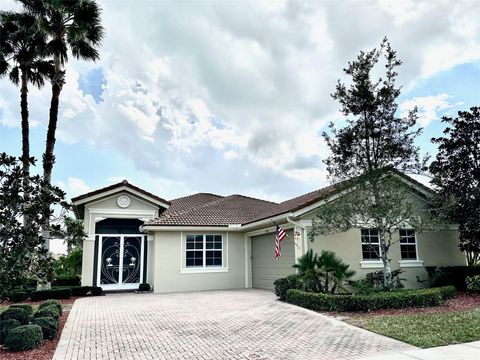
(120, 261)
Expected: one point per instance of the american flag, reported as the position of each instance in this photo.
(279, 236)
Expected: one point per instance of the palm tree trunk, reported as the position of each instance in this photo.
(25, 137)
(49, 157)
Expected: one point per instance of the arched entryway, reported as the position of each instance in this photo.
(121, 254)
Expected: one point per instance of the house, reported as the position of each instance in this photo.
(207, 241)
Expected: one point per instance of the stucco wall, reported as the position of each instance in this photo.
(434, 248)
(169, 255)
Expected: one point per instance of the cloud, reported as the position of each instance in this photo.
(430, 108)
(74, 186)
(232, 96)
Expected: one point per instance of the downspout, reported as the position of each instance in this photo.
(304, 228)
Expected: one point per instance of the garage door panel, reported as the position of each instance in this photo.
(265, 269)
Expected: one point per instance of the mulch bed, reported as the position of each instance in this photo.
(462, 301)
(47, 349)
(62, 301)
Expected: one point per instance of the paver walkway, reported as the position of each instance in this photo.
(243, 324)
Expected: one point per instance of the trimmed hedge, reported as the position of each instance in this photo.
(61, 293)
(25, 337)
(473, 283)
(144, 287)
(16, 313)
(82, 290)
(49, 326)
(18, 296)
(51, 302)
(67, 281)
(6, 326)
(379, 300)
(48, 311)
(281, 286)
(450, 275)
(27, 307)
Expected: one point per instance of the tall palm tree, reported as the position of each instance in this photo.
(22, 58)
(69, 24)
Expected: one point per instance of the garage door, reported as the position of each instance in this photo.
(265, 269)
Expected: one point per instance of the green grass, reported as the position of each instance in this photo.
(426, 330)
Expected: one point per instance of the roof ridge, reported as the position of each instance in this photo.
(196, 207)
(253, 198)
(200, 193)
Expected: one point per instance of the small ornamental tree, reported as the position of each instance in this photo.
(22, 254)
(368, 152)
(456, 172)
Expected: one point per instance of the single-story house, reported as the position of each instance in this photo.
(206, 241)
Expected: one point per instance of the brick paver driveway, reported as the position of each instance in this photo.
(243, 324)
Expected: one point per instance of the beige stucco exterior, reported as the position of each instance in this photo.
(172, 275)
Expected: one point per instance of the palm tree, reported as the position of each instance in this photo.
(69, 24)
(310, 273)
(22, 58)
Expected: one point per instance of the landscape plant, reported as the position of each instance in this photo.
(369, 154)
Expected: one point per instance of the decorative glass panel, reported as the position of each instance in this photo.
(131, 259)
(109, 269)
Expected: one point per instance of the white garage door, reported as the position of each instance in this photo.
(265, 269)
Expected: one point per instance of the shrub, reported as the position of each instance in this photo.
(6, 326)
(144, 287)
(27, 307)
(374, 279)
(62, 293)
(73, 280)
(17, 296)
(25, 337)
(473, 283)
(48, 311)
(281, 286)
(51, 302)
(16, 313)
(378, 300)
(49, 326)
(96, 290)
(450, 275)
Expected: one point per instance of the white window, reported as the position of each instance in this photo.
(408, 244)
(370, 244)
(204, 251)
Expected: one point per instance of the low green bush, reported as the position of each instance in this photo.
(96, 290)
(27, 307)
(48, 311)
(473, 283)
(49, 326)
(67, 281)
(16, 313)
(144, 287)
(281, 286)
(6, 326)
(59, 293)
(51, 302)
(378, 300)
(450, 275)
(17, 296)
(25, 337)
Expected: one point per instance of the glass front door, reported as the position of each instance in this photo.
(120, 261)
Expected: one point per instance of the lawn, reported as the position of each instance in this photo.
(426, 330)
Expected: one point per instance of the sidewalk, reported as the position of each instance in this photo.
(468, 351)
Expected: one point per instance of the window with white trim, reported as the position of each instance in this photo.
(370, 244)
(408, 244)
(204, 251)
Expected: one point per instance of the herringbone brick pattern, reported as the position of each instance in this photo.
(243, 324)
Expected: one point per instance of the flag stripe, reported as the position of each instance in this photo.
(280, 234)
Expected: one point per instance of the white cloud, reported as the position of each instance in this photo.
(74, 186)
(232, 96)
(430, 108)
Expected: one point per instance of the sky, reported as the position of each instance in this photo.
(232, 97)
